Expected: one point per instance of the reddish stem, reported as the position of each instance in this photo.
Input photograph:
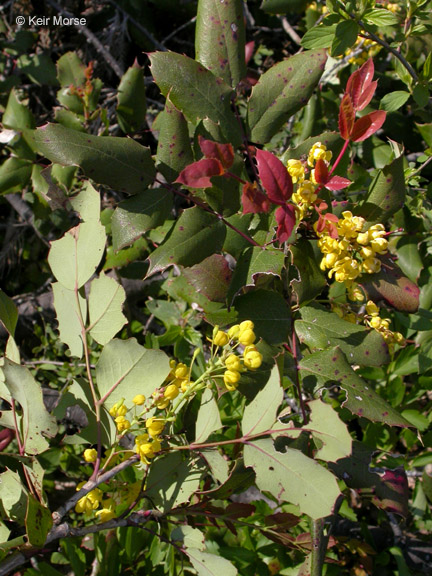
(339, 158)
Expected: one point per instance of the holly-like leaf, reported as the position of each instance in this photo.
(196, 235)
(392, 286)
(360, 86)
(286, 220)
(131, 100)
(311, 280)
(211, 277)
(330, 368)
(120, 163)
(125, 369)
(208, 418)
(198, 174)
(329, 431)
(222, 152)
(253, 200)
(281, 92)
(195, 91)
(105, 309)
(220, 39)
(36, 423)
(290, 476)
(260, 414)
(320, 329)
(71, 311)
(38, 522)
(367, 125)
(15, 174)
(135, 216)
(346, 117)
(274, 176)
(8, 313)
(174, 151)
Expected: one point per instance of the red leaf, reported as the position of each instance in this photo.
(249, 50)
(198, 174)
(253, 200)
(286, 219)
(222, 152)
(346, 117)
(321, 171)
(337, 183)
(367, 125)
(367, 95)
(359, 82)
(274, 177)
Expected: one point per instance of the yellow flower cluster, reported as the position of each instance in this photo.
(382, 325)
(362, 50)
(354, 252)
(251, 359)
(148, 444)
(305, 195)
(177, 380)
(89, 502)
(118, 412)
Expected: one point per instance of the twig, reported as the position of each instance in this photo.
(92, 39)
(290, 31)
(317, 552)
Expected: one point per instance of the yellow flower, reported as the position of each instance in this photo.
(371, 265)
(107, 512)
(90, 455)
(154, 426)
(252, 358)
(171, 392)
(318, 151)
(231, 379)
(221, 338)
(296, 170)
(233, 331)
(247, 337)
(139, 399)
(146, 449)
(122, 424)
(233, 363)
(89, 502)
(181, 371)
(375, 322)
(372, 309)
(246, 325)
(119, 409)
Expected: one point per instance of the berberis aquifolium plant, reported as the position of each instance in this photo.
(272, 378)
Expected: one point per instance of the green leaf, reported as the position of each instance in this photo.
(283, 6)
(120, 163)
(208, 419)
(8, 313)
(74, 258)
(209, 564)
(211, 277)
(380, 17)
(174, 151)
(268, 311)
(172, 480)
(254, 262)
(190, 537)
(70, 70)
(321, 329)
(220, 39)
(87, 203)
(137, 215)
(282, 91)
(38, 522)
(409, 259)
(14, 497)
(105, 302)
(321, 36)
(345, 36)
(196, 235)
(219, 467)
(39, 68)
(330, 368)
(131, 100)
(386, 194)
(260, 414)
(16, 115)
(125, 369)
(69, 317)
(311, 280)
(290, 476)
(327, 428)
(15, 174)
(394, 100)
(36, 423)
(195, 91)
(421, 95)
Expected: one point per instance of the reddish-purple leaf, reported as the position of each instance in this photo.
(367, 96)
(359, 81)
(321, 171)
(367, 125)
(337, 183)
(286, 219)
(346, 117)
(198, 174)
(222, 152)
(249, 50)
(274, 177)
(253, 200)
